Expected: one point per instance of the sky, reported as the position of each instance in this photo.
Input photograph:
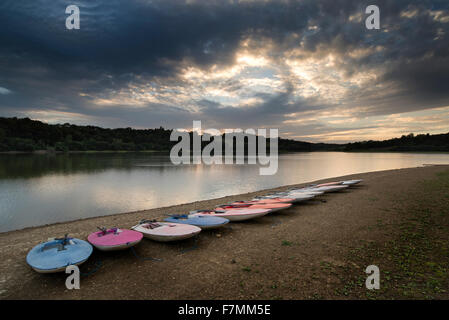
(310, 68)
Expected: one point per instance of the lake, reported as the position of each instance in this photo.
(42, 189)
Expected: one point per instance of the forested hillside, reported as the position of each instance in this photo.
(31, 135)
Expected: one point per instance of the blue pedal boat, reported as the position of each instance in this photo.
(55, 255)
(199, 221)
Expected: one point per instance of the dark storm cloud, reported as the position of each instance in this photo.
(133, 37)
(46, 67)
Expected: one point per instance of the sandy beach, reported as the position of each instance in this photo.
(397, 220)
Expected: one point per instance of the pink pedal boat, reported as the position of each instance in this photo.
(114, 239)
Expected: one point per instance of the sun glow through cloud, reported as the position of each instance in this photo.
(309, 68)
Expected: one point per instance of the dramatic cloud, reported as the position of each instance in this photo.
(309, 68)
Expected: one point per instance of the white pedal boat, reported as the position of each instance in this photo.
(305, 191)
(166, 231)
(324, 189)
(301, 196)
(351, 182)
(333, 188)
(232, 215)
(297, 197)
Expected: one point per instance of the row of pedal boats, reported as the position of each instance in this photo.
(58, 253)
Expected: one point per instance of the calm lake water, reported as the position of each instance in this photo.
(41, 189)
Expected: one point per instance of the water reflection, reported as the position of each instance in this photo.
(40, 189)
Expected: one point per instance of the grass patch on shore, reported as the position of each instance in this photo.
(286, 243)
(414, 259)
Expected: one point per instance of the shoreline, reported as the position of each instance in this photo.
(323, 229)
(230, 198)
(46, 152)
(233, 197)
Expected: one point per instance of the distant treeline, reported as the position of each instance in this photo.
(411, 142)
(30, 135)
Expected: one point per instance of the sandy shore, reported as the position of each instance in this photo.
(302, 252)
